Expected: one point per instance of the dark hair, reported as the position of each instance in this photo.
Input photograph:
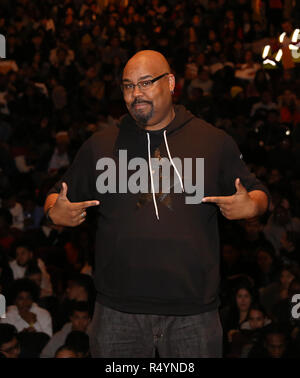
(86, 282)
(292, 268)
(32, 343)
(258, 307)
(291, 289)
(267, 247)
(24, 284)
(7, 333)
(246, 285)
(65, 347)
(233, 314)
(276, 329)
(25, 243)
(78, 341)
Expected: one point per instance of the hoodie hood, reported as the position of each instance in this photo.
(182, 117)
(133, 138)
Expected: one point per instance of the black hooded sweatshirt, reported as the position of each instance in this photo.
(164, 262)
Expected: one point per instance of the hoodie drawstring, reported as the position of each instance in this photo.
(151, 173)
(171, 160)
(151, 176)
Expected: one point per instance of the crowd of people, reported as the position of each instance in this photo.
(60, 83)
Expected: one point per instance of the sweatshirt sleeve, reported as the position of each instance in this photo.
(80, 176)
(233, 167)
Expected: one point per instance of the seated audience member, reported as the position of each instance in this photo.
(275, 344)
(247, 70)
(79, 321)
(60, 157)
(265, 104)
(234, 315)
(251, 331)
(280, 224)
(32, 343)
(9, 343)
(25, 314)
(265, 270)
(65, 352)
(80, 287)
(15, 208)
(34, 273)
(257, 318)
(25, 255)
(277, 291)
(79, 342)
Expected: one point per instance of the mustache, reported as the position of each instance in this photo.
(139, 101)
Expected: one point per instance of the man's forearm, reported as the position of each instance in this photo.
(260, 200)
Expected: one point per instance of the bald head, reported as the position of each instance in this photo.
(151, 58)
(147, 88)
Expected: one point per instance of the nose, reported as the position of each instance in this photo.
(136, 91)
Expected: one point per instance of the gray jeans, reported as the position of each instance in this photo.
(119, 334)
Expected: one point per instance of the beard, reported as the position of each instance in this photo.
(140, 115)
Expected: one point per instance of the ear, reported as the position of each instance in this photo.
(171, 82)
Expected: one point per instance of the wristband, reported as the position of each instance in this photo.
(49, 220)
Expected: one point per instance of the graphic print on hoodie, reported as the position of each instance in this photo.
(164, 260)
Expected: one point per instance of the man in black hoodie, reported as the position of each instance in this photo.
(157, 250)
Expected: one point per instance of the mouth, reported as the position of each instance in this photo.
(140, 105)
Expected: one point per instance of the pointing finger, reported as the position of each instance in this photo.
(84, 204)
(217, 200)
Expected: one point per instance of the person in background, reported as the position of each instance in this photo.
(251, 331)
(278, 290)
(79, 342)
(60, 157)
(275, 344)
(32, 343)
(65, 352)
(79, 321)
(9, 343)
(25, 314)
(280, 223)
(24, 251)
(34, 273)
(265, 270)
(80, 288)
(234, 315)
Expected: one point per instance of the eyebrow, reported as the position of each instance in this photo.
(141, 78)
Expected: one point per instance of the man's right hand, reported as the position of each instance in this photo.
(66, 213)
(28, 316)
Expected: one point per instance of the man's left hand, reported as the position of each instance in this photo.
(238, 206)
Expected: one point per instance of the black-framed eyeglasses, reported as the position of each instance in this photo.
(142, 85)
